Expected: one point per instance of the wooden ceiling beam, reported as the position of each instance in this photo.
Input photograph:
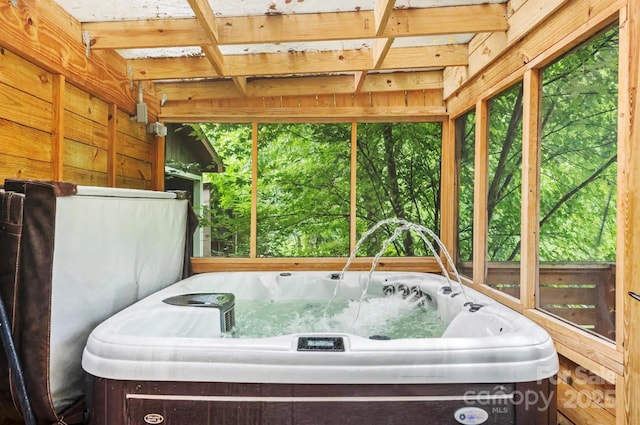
(298, 28)
(207, 20)
(426, 57)
(298, 63)
(214, 113)
(299, 86)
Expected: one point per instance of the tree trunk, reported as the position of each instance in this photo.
(394, 187)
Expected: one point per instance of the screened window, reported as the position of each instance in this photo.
(303, 190)
(398, 176)
(227, 220)
(504, 190)
(578, 184)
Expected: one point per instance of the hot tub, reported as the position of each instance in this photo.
(176, 357)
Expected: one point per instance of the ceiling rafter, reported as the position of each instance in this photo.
(299, 28)
(300, 63)
(381, 46)
(207, 20)
(381, 13)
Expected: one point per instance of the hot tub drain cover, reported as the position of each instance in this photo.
(224, 302)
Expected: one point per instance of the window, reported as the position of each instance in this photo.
(578, 184)
(228, 218)
(504, 190)
(303, 190)
(398, 176)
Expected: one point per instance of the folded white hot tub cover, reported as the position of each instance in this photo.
(81, 254)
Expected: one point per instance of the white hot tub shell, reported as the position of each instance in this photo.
(154, 358)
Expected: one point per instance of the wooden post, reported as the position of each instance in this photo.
(57, 127)
(158, 166)
(253, 238)
(481, 171)
(628, 268)
(529, 231)
(448, 187)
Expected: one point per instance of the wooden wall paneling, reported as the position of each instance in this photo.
(136, 148)
(125, 124)
(591, 386)
(23, 108)
(57, 127)
(133, 183)
(85, 105)
(481, 171)
(578, 408)
(362, 100)
(271, 102)
(307, 101)
(85, 157)
(20, 141)
(85, 130)
(344, 100)
(423, 97)
(326, 101)
(25, 76)
(290, 102)
(433, 98)
(133, 168)
(529, 232)
(85, 177)
(23, 168)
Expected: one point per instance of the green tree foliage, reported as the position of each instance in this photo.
(304, 179)
(505, 177)
(303, 190)
(579, 145)
(229, 212)
(578, 158)
(398, 176)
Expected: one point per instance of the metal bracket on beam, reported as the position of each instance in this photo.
(163, 99)
(86, 40)
(14, 3)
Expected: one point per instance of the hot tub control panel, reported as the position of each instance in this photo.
(320, 343)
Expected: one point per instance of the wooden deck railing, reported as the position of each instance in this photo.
(582, 293)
